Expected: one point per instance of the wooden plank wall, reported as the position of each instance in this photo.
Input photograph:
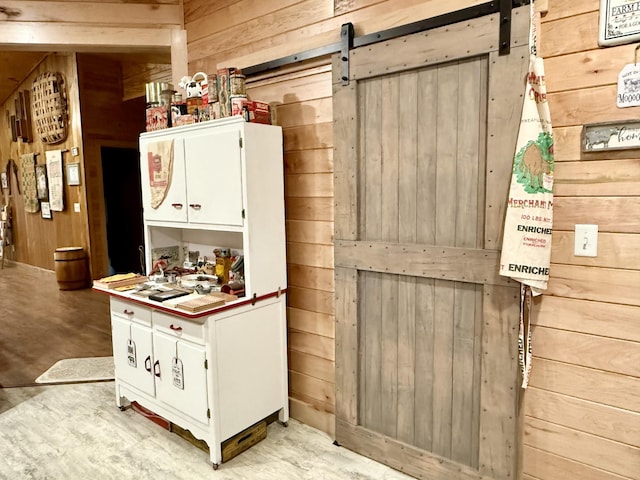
(35, 238)
(241, 33)
(582, 410)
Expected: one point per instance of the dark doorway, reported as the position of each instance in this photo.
(123, 207)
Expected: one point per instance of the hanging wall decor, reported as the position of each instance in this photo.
(618, 22)
(55, 179)
(50, 107)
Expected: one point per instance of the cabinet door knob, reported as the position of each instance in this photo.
(195, 206)
(147, 363)
(174, 328)
(156, 368)
(177, 205)
(128, 312)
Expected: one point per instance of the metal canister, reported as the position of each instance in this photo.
(237, 84)
(213, 88)
(237, 104)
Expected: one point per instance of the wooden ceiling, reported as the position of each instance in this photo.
(16, 66)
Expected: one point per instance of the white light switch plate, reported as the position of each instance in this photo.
(76, 207)
(586, 240)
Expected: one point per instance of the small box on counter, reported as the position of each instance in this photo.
(259, 112)
(157, 118)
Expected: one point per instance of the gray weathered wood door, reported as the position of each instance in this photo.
(426, 329)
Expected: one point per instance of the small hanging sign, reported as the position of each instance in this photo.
(131, 353)
(610, 136)
(629, 84)
(177, 373)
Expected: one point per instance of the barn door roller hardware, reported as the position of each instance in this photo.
(504, 7)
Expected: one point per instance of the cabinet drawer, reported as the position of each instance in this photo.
(179, 328)
(131, 311)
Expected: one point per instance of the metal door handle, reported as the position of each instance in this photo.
(195, 206)
(128, 312)
(177, 205)
(147, 364)
(174, 328)
(156, 368)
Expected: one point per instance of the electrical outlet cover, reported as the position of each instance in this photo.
(586, 240)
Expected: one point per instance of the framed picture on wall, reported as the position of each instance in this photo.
(41, 182)
(73, 174)
(4, 179)
(619, 22)
(45, 207)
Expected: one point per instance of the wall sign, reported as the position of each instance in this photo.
(610, 136)
(619, 22)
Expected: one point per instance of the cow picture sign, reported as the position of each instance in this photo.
(597, 137)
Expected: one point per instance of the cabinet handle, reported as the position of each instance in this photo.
(174, 328)
(177, 205)
(195, 206)
(156, 368)
(147, 363)
(128, 312)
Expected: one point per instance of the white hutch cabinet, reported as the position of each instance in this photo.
(219, 371)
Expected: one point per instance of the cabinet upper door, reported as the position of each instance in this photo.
(163, 179)
(214, 177)
(133, 354)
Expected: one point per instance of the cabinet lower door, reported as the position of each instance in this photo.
(133, 354)
(181, 376)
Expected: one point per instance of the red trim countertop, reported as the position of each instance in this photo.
(127, 296)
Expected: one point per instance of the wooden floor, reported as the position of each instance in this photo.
(41, 324)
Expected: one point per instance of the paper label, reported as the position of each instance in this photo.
(131, 353)
(177, 373)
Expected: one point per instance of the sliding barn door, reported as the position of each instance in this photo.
(426, 329)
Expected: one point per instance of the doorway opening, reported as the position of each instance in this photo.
(123, 208)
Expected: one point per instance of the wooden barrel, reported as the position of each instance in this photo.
(72, 268)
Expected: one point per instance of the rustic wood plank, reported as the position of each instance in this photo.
(591, 283)
(307, 231)
(543, 465)
(615, 250)
(312, 416)
(310, 254)
(448, 263)
(311, 277)
(595, 318)
(601, 420)
(312, 322)
(597, 178)
(311, 387)
(499, 448)
(310, 208)
(592, 105)
(611, 214)
(309, 161)
(312, 365)
(582, 447)
(300, 88)
(311, 111)
(96, 12)
(407, 459)
(312, 344)
(586, 383)
(434, 46)
(309, 185)
(346, 347)
(504, 111)
(305, 137)
(584, 28)
(311, 300)
(569, 8)
(613, 355)
(591, 68)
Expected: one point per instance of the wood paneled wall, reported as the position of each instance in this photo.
(582, 409)
(36, 238)
(241, 33)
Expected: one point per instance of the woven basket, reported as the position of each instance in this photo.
(50, 107)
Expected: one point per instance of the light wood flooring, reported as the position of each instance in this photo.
(41, 324)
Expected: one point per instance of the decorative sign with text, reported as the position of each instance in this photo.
(619, 22)
(610, 136)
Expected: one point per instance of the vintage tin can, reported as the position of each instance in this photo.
(237, 84)
(238, 103)
(213, 88)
